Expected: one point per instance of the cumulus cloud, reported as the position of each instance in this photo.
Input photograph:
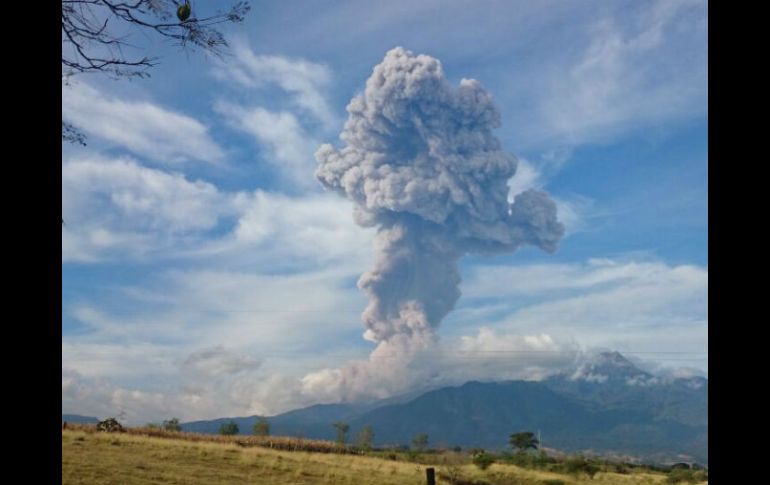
(117, 208)
(635, 306)
(117, 204)
(101, 397)
(486, 355)
(208, 382)
(140, 127)
(234, 325)
(422, 165)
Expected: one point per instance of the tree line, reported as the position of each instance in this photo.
(521, 442)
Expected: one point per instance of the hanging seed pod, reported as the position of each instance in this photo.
(184, 11)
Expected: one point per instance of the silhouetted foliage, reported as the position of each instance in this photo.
(261, 427)
(482, 459)
(577, 465)
(365, 438)
(682, 475)
(420, 442)
(95, 33)
(342, 432)
(71, 134)
(229, 428)
(524, 441)
(172, 425)
(110, 425)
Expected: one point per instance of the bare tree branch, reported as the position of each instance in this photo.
(90, 44)
(71, 134)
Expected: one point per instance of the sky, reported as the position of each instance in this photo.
(206, 271)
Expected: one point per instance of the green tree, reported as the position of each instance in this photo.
(523, 441)
(172, 425)
(342, 432)
(261, 427)
(229, 428)
(420, 442)
(365, 438)
(482, 459)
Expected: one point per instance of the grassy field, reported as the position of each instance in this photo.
(90, 458)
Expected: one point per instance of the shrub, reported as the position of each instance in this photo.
(681, 475)
(529, 460)
(342, 432)
(620, 468)
(579, 465)
(482, 460)
(365, 438)
(524, 441)
(420, 442)
(701, 475)
(261, 427)
(230, 428)
(172, 425)
(110, 425)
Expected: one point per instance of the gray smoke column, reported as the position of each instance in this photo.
(422, 165)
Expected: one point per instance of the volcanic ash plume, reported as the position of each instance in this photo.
(422, 165)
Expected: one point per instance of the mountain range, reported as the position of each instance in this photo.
(608, 405)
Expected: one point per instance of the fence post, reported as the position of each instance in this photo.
(430, 476)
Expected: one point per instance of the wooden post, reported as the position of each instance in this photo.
(430, 476)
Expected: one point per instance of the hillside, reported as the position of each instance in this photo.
(90, 458)
(606, 405)
(76, 418)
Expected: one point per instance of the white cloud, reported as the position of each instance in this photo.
(524, 280)
(487, 355)
(527, 176)
(186, 396)
(216, 361)
(631, 75)
(141, 127)
(305, 81)
(217, 343)
(271, 352)
(291, 149)
(628, 306)
(100, 358)
(116, 208)
(316, 227)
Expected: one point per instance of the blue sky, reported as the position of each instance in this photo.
(207, 273)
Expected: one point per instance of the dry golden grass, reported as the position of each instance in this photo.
(274, 442)
(136, 458)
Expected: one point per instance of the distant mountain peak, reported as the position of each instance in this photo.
(615, 358)
(612, 366)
